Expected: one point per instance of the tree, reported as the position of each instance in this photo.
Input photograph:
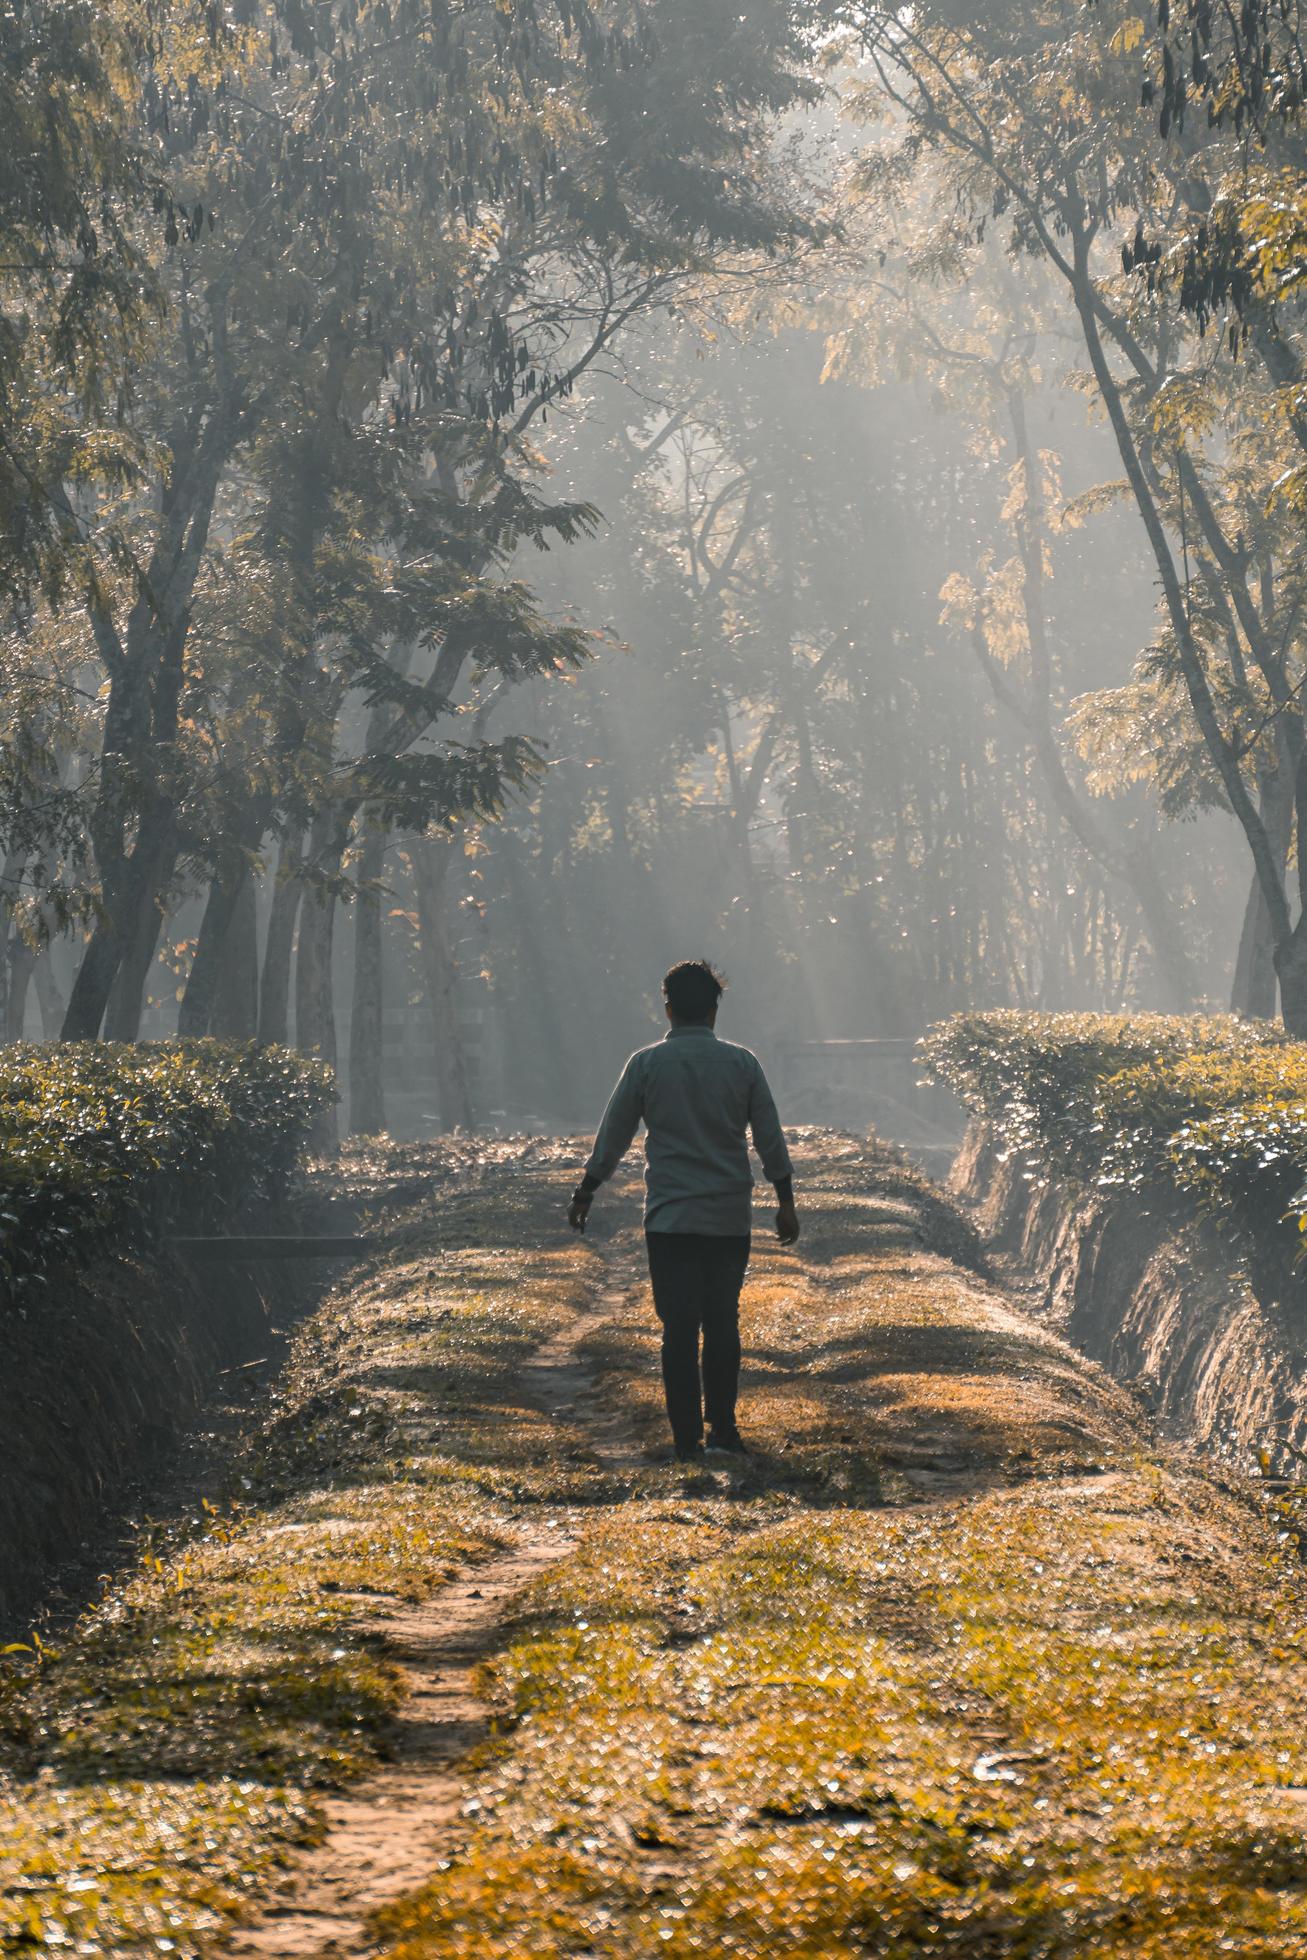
(77, 294)
(796, 767)
(1039, 119)
(1238, 241)
(951, 310)
(381, 227)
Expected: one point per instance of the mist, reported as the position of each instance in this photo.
(725, 568)
(781, 573)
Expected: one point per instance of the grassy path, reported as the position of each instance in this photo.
(387, 1833)
(954, 1665)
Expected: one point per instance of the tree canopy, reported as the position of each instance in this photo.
(516, 478)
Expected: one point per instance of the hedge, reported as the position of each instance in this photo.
(103, 1143)
(1207, 1106)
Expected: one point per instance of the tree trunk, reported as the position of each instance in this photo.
(153, 865)
(1254, 988)
(274, 981)
(22, 960)
(431, 861)
(315, 1012)
(222, 988)
(315, 1006)
(91, 988)
(315, 1009)
(236, 1005)
(1291, 965)
(111, 978)
(1253, 994)
(1197, 685)
(195, 1012)
(367, 1093)
(136, 787)
(48, 995)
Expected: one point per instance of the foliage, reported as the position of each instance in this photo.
(161, 1762)
(1033, 122)
(101, 1142)
(1039, 1076)
(367, 444)
(387, 238)
(1244, 249)
(77, 292)
(1213, 1108)
(1245, 1155)
(822, 787)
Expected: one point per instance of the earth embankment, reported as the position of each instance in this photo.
(105, 1365)
(1162, 1296)
(955, 1663)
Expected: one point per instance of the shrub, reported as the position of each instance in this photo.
(1248, 1157)
(1039, 1078)
(1208, 1106)
(101, 1142)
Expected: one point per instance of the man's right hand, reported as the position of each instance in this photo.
(787, 1222)
(578, 1211)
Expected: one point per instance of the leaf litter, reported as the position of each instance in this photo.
(956, 1664)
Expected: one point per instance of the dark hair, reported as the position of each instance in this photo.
(692, 989)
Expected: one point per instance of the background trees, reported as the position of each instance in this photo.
(394, 236)
(477, 493)
(1042, 122)
(76, 289)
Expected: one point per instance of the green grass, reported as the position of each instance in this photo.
(955, 1665)
(158, 1770)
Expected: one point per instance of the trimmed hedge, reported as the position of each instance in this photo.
(103, 1143)
(1206, 1105)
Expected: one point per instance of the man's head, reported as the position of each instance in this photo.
(691, 991)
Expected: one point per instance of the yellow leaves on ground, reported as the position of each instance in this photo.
(900, 1734)
(950, 1666)
(1027, 1706)
(155, 1773)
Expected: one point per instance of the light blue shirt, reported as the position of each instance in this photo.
(697, 1097)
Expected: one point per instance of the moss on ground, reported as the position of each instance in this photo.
(157, 1770)
(954, 1665)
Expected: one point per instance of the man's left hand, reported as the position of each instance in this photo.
(578, 1211)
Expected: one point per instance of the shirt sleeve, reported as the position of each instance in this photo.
(620, 1123)
(765, 1128)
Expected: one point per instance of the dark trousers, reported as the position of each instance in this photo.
(696, 1284)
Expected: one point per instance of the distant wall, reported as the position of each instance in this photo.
(1155, 1292)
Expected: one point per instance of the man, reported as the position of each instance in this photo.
(697, 1097)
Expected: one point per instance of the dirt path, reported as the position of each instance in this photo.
(953, 1663)
(386, 1835)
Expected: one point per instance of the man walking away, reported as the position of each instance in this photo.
(698, 1097)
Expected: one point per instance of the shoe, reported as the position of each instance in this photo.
(728, 1441)
(689, 1452)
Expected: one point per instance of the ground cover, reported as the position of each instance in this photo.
(157, 1768)
(956, 1664)
(953, 1667)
